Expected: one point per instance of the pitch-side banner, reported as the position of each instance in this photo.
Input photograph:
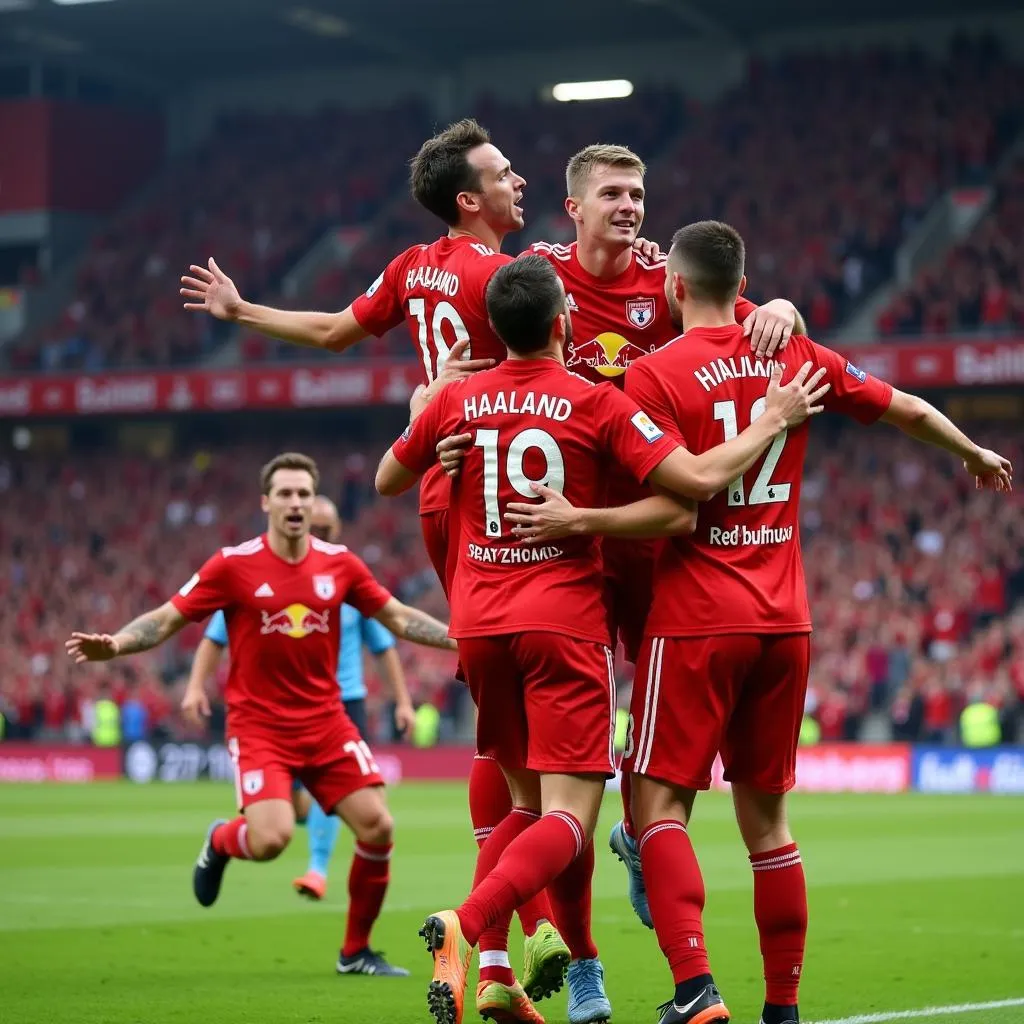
(347, 382)
(188, 762)
(45, 762)
(340, 384)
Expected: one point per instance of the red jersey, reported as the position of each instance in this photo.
(619, 320)
(741, 571)
(532, 421)
(439, 291)
(615, 322)
(284, 625)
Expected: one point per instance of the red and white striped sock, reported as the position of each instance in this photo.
(231, 839)
(675, 888)
(780, 910)
(367, 884)
(530, 862)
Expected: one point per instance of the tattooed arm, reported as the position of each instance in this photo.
(140, 634)
(414, 625)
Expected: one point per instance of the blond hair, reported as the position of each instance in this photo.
(580, 167)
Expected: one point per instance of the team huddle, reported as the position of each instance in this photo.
(609, 443)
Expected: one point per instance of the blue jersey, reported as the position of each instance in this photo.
(356, 632)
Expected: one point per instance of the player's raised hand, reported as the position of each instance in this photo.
(800, 398)
(770, 327)
(83, 647)
(405, 718)
(552, 519)
(452, 450)
(990, 471)
(457, 367)
(195, 706)
(210, 290)
(646, 248)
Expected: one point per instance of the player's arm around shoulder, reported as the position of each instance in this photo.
(414, 625)
(417, 449)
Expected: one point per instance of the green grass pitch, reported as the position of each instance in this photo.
(916, 902)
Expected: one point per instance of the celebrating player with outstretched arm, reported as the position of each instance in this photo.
(282, 594)
(357, 633)
(437, 289)
(617, 299)
(723, 668)
(531, 622)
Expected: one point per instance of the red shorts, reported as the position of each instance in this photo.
(331, 762)
(546, 701)
(740, 695)
(435, 536)
(629, 589)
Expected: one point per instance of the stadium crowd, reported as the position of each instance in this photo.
(259, 193)
(265, 187)
(980, 286)
(916, 580)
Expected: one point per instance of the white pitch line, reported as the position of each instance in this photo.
(928, 1011)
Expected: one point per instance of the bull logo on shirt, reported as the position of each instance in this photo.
(609, 354)
(640, 312)
(296, 621)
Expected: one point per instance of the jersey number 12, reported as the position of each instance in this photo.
(764, 491)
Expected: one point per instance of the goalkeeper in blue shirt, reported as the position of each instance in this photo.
(356, 633)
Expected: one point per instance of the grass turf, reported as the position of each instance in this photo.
(916, 901)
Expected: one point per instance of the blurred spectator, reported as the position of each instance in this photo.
(980, 285)
(916, 581)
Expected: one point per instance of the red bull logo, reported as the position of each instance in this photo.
(609, 354)
(296, 621)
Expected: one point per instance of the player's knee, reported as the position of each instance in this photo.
(378, 828)
(270, 841)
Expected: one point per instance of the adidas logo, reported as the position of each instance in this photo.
(264, 590)
(571, 303)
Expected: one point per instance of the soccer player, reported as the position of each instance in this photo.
(531, 622)
(617, 299)
(357, 632)
(724, 663)
(438, 290)
(282, 594)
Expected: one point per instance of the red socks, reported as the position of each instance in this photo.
(230, 839)
(530, 862)
(494, 962)
(677, 898)
(489, 804)
(780, 909)
(367, 884)
(570, 900)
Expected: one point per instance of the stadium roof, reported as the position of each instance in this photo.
(171, 41)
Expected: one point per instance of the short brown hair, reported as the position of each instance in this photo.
(440, 170)
(709, 256)
(524, 298)
(579, 168)
(288, 460)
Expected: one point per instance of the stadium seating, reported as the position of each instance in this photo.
(823, 162)
(257, 195)
(913, 575)
(980, 286)
(874, 146)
